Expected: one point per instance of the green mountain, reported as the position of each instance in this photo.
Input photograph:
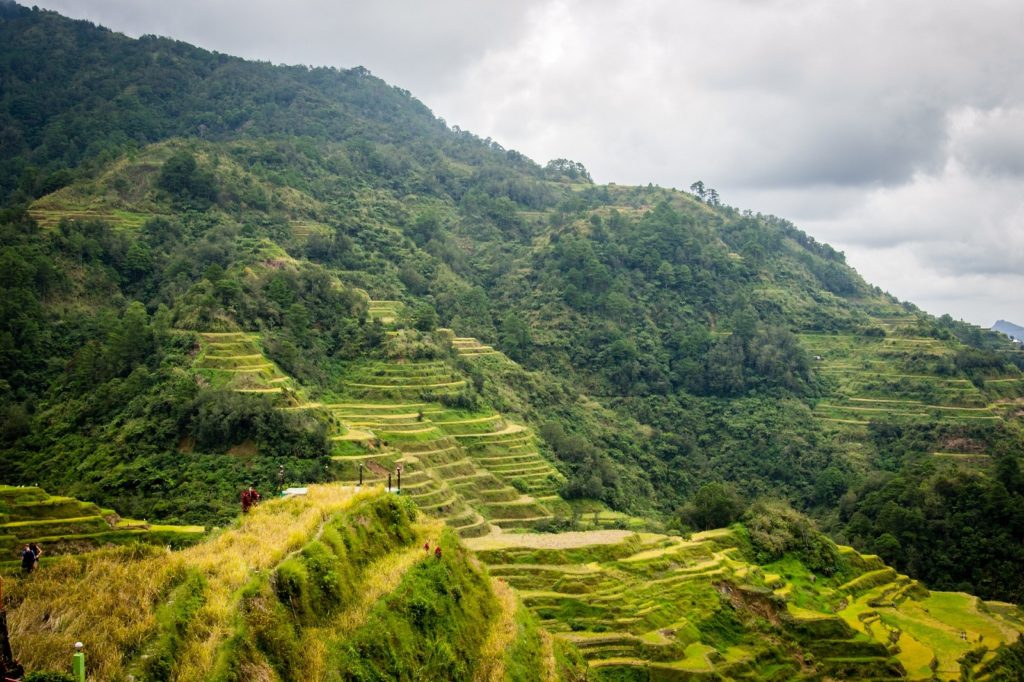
(218, 272)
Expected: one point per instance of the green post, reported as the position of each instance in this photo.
(78, 664)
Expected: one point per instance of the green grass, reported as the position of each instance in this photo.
(420, 632)
(64, 525)
(50, 218)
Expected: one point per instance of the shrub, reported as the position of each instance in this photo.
(715, 505)
(776, 529)
(48, 676)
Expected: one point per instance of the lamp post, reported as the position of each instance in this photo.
(78, 663)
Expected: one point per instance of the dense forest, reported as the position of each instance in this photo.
(679, 357)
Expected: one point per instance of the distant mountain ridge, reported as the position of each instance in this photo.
(1010, 329)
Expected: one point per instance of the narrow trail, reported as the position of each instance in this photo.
(383, 576)
(275, 530)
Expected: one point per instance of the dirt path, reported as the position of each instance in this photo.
(548, 540)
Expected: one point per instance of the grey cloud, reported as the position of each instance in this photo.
(903, 271)
(989, 141)
(884, 127)
(417, 45)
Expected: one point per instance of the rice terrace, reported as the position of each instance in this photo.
(298, 381)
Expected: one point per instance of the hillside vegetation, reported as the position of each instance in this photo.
(646, 606)
(345, 585)
(332, 585)
(216, 272)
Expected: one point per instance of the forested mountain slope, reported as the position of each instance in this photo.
(156, 194)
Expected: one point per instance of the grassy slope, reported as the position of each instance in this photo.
(292, 591)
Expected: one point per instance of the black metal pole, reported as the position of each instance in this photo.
(389, 481)
(360, 474)
(399, 480)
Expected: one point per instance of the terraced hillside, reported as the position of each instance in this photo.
(64, 525)
(235, 360)
(299, 589)
(386, 311)
(655, 607)
(470, 347)
(473, 468)
(907, 379)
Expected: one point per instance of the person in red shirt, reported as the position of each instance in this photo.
(249, 498)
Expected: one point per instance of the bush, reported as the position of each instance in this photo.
(715, 505)
(777, 529)
(48, 676)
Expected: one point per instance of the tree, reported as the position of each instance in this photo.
(573, 170)
(715, 505)
(698, 189)
(514, 337)
(423, 317)
(182, 178)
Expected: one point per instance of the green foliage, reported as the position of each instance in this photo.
(775, 530)
(564, 168)
(182, 178)
(430, 627)
(218, 420)
(523, 658)
(312, 585)
(324, 576)
(953, 529)
(715, 505)
(591, 474)
(174, 617)
(48, 676)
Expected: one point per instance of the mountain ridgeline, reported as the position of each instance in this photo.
(1014, 331)
(216, 270)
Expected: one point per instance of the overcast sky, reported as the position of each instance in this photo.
(892, 129)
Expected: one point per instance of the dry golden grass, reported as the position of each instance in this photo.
(547, 649)
(501, 636)
(107, 599)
